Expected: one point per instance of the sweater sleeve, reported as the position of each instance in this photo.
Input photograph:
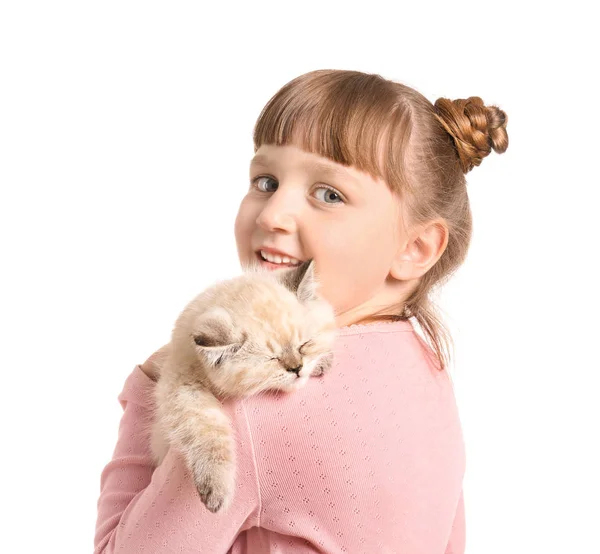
(143, 508)
(456, 543)
(125, 477)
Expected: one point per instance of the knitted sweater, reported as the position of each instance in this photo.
(367, 458)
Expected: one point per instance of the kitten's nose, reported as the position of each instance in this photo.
(295, 370)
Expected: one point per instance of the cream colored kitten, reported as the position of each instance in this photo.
(261, 330)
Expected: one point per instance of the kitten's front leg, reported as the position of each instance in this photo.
(214, 477)
(197, 426)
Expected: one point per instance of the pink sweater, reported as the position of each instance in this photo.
(368, 458)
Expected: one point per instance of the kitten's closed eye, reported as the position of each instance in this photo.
(307, 344)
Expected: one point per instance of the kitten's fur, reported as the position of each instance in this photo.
(239, 337)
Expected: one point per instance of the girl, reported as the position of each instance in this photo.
(365, 176)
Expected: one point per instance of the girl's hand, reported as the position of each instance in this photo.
(151, 367)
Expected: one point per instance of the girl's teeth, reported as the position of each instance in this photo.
(279, 259)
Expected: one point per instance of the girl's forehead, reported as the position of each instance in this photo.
(274, 152)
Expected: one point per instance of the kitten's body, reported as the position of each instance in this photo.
(262, 330)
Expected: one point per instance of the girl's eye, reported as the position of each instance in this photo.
(259, 187)
(331, 195)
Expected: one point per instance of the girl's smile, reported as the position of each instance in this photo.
(271, 258)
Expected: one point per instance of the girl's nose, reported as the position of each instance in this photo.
(278, 214)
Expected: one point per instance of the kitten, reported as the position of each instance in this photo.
(262, 330)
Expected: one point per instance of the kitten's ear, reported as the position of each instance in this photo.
(214, 335)
(301, 280)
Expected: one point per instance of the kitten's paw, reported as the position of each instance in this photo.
(215, 485)
(322, 365)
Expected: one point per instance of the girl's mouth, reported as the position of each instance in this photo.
(269, 261)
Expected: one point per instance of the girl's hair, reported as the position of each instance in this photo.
(391, 131)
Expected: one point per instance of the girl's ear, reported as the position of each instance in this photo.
(301, 281)
(421, 251)
(214, 336)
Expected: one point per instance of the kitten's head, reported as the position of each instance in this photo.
(262, 330)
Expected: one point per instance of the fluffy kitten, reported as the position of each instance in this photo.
(261, 330)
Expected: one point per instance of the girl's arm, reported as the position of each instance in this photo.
(158, 509)
(456, 543)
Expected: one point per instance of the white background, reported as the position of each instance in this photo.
(125, 139)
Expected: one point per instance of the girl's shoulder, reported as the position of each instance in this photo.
(377, 341)
(396, 342)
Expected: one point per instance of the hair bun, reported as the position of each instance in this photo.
(475, 128)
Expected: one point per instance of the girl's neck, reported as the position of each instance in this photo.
(346, 320)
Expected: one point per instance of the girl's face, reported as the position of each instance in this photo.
(306, 206)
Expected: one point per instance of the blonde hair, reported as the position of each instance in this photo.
(346, 116)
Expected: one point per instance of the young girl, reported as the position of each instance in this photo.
(365, 176)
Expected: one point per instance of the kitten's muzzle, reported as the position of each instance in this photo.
(295, 370)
